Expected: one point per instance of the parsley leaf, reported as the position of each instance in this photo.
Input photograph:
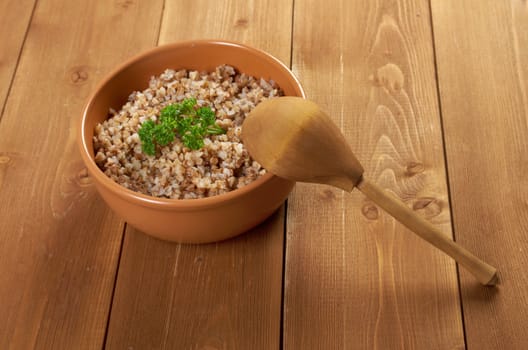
(147, 138)
(192, 125)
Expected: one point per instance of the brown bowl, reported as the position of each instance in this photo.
(186, 220)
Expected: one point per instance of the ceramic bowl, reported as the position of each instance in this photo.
(186, 220)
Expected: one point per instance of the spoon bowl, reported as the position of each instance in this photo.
(280, 129)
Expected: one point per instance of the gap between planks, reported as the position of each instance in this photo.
(116, 275)
(448, 184)
(15, 69)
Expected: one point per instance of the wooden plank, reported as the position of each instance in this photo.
(482, 54)
(214, 296)
(13, 29)
(264, 25)
(354, 277)
(225, 295)
(59, 244)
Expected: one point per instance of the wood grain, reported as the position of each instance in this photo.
(354, 277)
(262, 24)
(482, 54)
(59, 244)
(215, 296)
(218, 296)
(13, 29)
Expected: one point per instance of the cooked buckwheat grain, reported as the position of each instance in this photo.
(222, 165)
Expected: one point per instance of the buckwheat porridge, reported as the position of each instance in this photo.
(175, 170)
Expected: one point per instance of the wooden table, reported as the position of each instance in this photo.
(432, 96)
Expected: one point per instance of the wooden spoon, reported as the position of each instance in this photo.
(293, 139)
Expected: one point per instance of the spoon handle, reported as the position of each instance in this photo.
(485, 274)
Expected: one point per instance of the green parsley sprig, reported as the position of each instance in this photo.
(190, 123)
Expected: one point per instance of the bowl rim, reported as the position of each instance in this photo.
(171, 203)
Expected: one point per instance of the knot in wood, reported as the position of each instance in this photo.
(83, 178)
(370, 211)
(241, 23)
(79, 75)
(328, 195)
(430, 206)
(389, 76)
(125, 3)
(414, 168)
